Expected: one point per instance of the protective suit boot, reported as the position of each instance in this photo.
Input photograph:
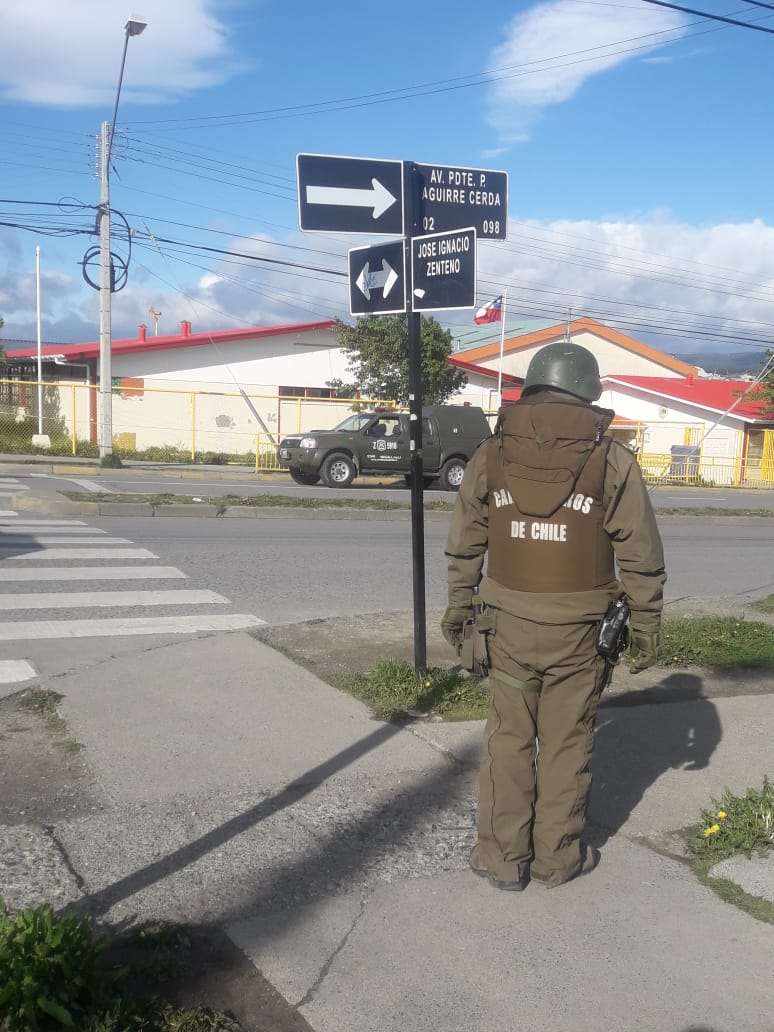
(478, 868)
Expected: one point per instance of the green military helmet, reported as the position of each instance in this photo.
(565, 367)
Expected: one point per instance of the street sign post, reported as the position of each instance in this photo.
(443, 271)
(349, 195)
(377, 279)
(450, 207)
(450, 198)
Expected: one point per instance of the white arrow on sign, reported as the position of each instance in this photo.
(368, 281)
(378, 197)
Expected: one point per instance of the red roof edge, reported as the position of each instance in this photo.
(135, 345)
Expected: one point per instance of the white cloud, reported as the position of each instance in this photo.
(67, 53)
(673, 285)
(551, 49)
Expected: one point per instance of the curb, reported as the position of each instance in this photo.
(76, 467)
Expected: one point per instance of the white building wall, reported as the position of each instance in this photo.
(479, 390)
(288, 360)
(662, 424)
(191, 397)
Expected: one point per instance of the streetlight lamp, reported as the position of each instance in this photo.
(133, 27)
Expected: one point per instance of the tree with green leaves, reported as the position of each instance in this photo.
(377, 347)
(763, 393)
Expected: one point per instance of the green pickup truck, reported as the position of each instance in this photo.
(378, 443)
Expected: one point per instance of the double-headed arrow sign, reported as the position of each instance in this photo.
(377, 281)
(350, 195)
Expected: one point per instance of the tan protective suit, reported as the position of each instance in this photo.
(557, 506)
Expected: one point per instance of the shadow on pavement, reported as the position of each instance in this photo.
(347, 848)
(635, 746)
(13, 545)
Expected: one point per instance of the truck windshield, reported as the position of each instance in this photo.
(356, 421)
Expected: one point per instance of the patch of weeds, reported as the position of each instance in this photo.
(154, 948)
(44, 702)
(715, 642)
(163, 498)
(55, 973)
(764, 605)
(267, 501)
(735, 826)
(393, 689)
(111, 461)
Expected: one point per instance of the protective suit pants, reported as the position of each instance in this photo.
(534, 786)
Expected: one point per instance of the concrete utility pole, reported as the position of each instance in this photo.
(105, 310)
(133, 27)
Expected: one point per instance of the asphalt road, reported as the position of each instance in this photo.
(285, 570)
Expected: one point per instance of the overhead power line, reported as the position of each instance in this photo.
(426, 88)
(713, 17)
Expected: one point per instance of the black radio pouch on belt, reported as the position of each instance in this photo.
(474, 651)
(613, 631)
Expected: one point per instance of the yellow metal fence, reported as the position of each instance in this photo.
(160, 423)
(244, 427)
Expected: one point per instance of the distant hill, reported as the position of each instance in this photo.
(729, 364)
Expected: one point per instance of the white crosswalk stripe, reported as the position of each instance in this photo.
(85, 599)
(86, 553)
(25, 542)
(77, 526)
(12, 671)
(13, 541)
(9, 486)
(55, 573)
(109, 628)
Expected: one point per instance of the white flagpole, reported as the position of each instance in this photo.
(502, 345)
(40, 361)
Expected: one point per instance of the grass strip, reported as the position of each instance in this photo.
(717, 643)
(735, 826)
(298, 501)
(393, 690)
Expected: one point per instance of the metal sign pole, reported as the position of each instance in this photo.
(415, 423)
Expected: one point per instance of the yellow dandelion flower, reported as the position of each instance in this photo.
(722, 814)
(711, 831)
(428, 683)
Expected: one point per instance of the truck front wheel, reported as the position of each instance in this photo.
(338, 470)
(451, 473)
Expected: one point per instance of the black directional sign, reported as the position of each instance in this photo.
(450, 198)
(377, 279)
(443, 271)
(349, 195)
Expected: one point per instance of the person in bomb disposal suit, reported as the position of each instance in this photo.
(555, 506)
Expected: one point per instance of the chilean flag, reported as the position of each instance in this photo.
(491, 312)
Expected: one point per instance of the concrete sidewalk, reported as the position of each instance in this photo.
(234, 787)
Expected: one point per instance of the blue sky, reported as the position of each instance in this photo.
(635, 138)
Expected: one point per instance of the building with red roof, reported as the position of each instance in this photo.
(247, 383)
(664, 408)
